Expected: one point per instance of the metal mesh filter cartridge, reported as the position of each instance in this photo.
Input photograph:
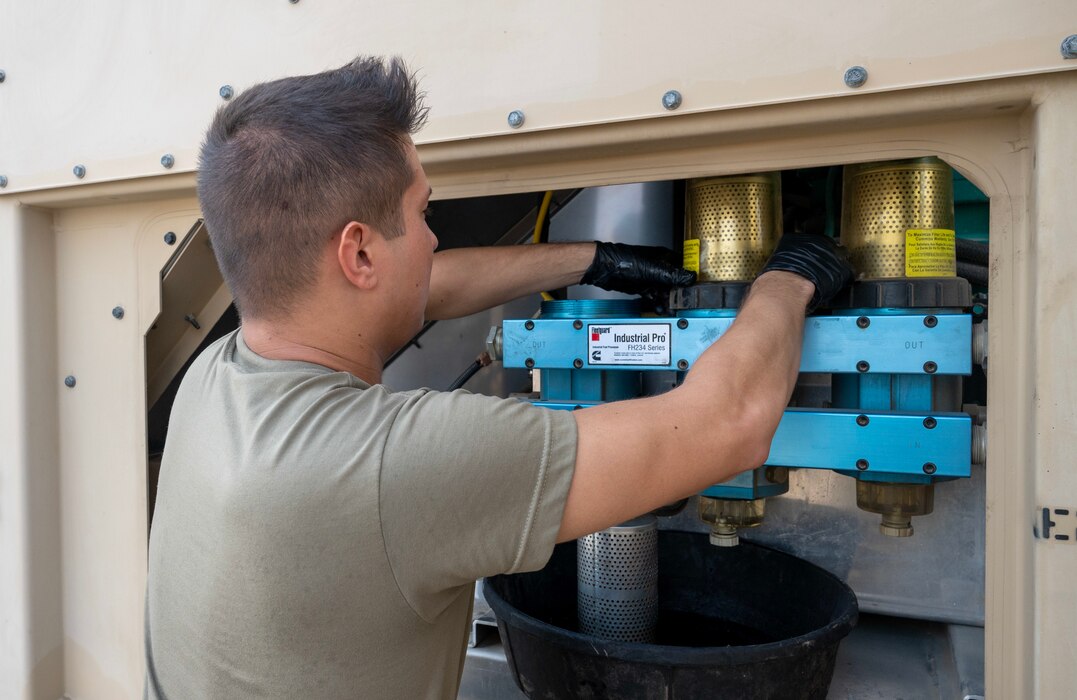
(737, 221)
(618, 581)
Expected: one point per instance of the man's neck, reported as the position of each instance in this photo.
(339, 349)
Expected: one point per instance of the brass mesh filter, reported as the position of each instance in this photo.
(882, 202)
(737, 221)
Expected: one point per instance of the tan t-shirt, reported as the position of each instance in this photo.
(317, 537)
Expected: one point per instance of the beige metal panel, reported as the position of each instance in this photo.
(1052, 399)
(118, 84)
(31, 626)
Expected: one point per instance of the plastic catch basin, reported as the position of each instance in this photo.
(746, 622)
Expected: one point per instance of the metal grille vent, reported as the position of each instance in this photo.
(881, 201)
(618, 581)
(737, 221)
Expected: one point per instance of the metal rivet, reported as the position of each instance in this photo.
(1068, 47)
(682, 324)
(529, 363)
(930, 367)
(931, 321)
(80, 171)
(3, 76)
(672, 100)
(930, 468)
(529, 325)
(117, 312)
(168, 160)
(69, 381)
(862, 366)
(856, 76)
(863, 322)
(516, 119)
(577, 324)
(862, 420)
(3, 181)
(682, 365)
(930, 423)
(862, 464)
(577, 363)
(170, 238)
(226, 92)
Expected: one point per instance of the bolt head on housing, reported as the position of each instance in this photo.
(516, 119)
(856, 76)
(168, 160)
(79, 171)
(1069, 46)
(672, 100)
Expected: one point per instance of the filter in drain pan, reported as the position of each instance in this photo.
(618, 581)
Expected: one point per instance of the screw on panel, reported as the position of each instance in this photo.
(930, 423)
(672, 100)
(529, 325)
(516, 119)
(930, 468)
(117, 312)
(682, 324)
(529, 363)
(3, 76)
(862, 464)
(862, 420)
(856, 76)
(168, 160)
(577, 324)
(3, 181)
(1069, 46)
(69, 381)
(931, 321)
(862, 366)
(930, 367)
(682, 365)
(863, 322)
(226, 92)
(577, 363)
(80, 171)
(170, 238)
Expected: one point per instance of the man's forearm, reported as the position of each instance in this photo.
(468, 280)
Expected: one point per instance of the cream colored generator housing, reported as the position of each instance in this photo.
(107, 285)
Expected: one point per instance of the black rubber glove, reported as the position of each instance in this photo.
(816, 258)
(649, 271)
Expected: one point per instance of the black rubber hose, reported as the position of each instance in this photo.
(975, 274)
(467, 374)
(973, 252)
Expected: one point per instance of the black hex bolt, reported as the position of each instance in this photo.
(117, 312)
(577, 363)
(863, 322)
(529, 325)
(170, 238)
(529, 363)
(930, 367)
(69, 381)
(682, 365)
(577, 324)
(682, 323)
(862, 420)
(930, 423)
(862, 464)
(862, 366)
(931, 321)
(930, 468)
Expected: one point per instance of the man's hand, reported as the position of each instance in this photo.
(635, 269)
(816, 258)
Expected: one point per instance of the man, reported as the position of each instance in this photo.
(317, 535)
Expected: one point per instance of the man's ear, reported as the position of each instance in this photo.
(356, 253)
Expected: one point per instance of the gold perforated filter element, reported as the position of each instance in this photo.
(737, 221)
(882, 202)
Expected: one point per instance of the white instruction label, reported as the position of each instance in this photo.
(628, 344)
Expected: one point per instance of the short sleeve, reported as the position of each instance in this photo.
(471, 486)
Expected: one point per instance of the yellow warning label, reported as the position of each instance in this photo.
(691, 255)
(929, 252)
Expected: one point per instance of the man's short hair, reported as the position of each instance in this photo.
(288, 163)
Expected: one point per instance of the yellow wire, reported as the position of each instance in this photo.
(546, 296)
